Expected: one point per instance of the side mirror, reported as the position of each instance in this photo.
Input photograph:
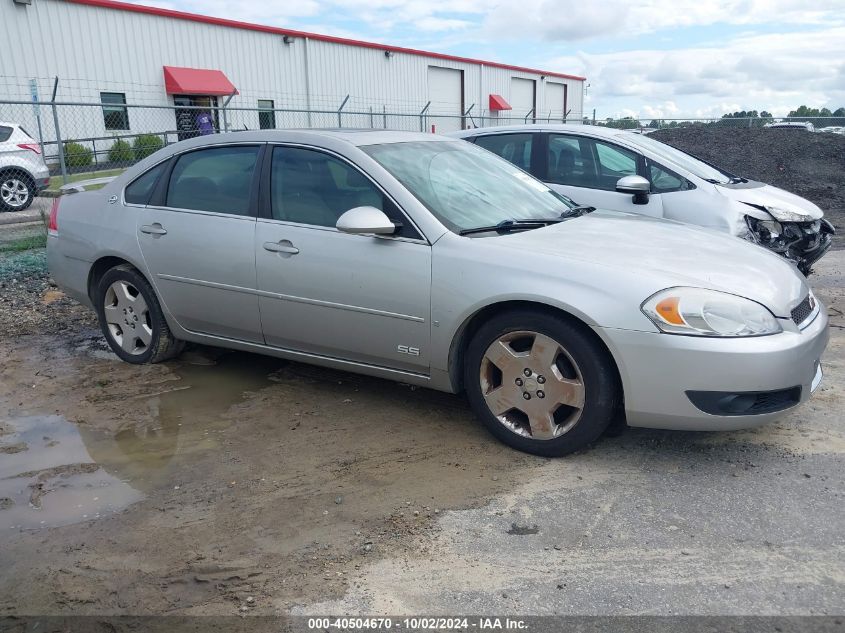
(637, 186)
(365, 220)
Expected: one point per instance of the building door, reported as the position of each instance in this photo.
(195, 115)
(446, 94)
(524, 98)
(555, 109)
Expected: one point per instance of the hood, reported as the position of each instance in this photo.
(669, 254)
(760, 194)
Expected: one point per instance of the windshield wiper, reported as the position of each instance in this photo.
(576, 211)
(507, 226)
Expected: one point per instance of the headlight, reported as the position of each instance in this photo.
(764, 229)
(786, 215)
(700, 312)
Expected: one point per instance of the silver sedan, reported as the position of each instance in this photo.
(431, 261)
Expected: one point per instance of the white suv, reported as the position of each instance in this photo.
(23, 172)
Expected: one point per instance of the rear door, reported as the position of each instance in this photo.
(587, 170)
(197, 239)
(355, 297)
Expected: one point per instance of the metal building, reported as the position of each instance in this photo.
(118, 54)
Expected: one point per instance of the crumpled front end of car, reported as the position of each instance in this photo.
(802, 243)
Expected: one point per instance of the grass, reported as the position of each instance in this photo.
(27, 243)
(56, 181)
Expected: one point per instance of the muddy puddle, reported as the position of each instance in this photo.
(48, 477)
(54, 472)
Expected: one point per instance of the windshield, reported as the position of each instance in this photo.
(467, 187)
(681, 159)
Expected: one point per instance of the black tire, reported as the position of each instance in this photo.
(17, 175)
(602, 392)
(163, 345)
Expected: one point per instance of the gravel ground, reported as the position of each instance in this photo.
(29, 301)
(809, 165)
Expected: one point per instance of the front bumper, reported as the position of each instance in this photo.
(658, 371)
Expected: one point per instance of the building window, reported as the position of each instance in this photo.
(266, 115)
(115, 114)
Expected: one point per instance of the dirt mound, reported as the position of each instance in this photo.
(807, 164)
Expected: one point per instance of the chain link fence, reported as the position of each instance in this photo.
(81, 140)
(84, 140)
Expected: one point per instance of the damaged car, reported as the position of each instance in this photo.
(617, 170)
(429, 261)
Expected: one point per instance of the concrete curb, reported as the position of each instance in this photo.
(20, 217)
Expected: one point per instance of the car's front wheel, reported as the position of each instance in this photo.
(131, 318)
(17, 191)
(540, 383)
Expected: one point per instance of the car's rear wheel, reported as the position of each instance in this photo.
(131, 318)
(17, 191)
(540, 383)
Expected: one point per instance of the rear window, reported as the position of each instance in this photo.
(5, 133)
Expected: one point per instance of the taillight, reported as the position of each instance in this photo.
(32, 147)
(53, 224)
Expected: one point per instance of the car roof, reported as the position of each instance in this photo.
(356, 137)
(591, 130)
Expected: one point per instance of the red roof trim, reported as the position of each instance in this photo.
(196, 81)
(194, 17)
(497, 102)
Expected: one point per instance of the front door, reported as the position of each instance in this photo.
(355, 297)
(587, 171)
(197, 240)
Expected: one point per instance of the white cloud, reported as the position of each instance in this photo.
(573, 20)
(776, 72)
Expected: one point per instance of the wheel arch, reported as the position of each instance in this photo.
(104, 264)
(472, 323)
(8, 169)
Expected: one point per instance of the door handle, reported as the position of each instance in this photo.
(153, 229)
(283, 246)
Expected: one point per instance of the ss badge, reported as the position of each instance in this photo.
(405, 349)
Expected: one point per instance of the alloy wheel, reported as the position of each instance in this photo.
(14, 192)
(128, 317)
(532, 385)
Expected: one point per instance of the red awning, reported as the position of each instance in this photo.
(497, 102)
(196, 81)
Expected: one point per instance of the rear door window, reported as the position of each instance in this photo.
(217, 179)
(515, 148)
(571, 161)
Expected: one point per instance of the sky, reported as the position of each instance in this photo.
(646, 58)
